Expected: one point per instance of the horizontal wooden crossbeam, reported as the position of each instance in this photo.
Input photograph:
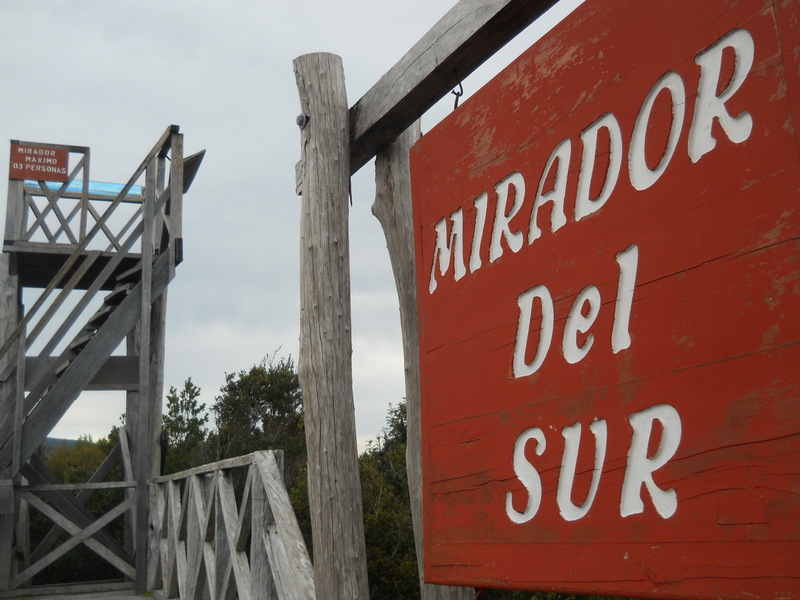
(469, 34)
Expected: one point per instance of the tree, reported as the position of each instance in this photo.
(184, 427)
(75, 463)
(391, 555)
(262, 408)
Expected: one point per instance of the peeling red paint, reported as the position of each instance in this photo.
(659, 325)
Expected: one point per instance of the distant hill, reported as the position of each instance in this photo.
(51, 444)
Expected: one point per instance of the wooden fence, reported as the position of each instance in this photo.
(227, 530)
(64, 506)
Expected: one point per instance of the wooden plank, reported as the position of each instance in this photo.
(282, 581)
(262, 581)
(142, 435)
(73, 487)
(9, 316)
(228, 463)
(175, 207)
(22, 532)
(230, 521)
(19, 403)
(84, 200)
(158, 332)
(127, 467)
(226, 579)
(210, 531)
(6, 496)
(116, 373)
(325, 363)
(165, 566)
(470, 33)
(6, 550)
(650, 300)
(297, 571)
(243, 527)
(157, 510)
(14, 210)
(196, 511)
(104, 590)
(79, 536)
(178, 547)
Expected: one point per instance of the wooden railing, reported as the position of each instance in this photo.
(61, 214)
(227, 530)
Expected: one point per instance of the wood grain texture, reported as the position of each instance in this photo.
(283, 540)
(211, 544)
(392, 208)
(713, 338)
(325, 362)
(470, 33)
(79, 536)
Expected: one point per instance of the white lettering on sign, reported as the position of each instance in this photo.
(569, 463)
(455, 248)
(502, 219)
(710, 106)
(577, 322)
(584, 205)
(642, 176)
(528, 475)
(639, 469)
(558, 217)
(38, 162)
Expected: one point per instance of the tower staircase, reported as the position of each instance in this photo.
(95, 260)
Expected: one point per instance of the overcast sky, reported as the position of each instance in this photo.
(114, 75)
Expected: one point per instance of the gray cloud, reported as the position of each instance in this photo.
(112, 76)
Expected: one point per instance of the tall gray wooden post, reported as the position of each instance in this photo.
(9, 318)
(392, 208)
(325, 362)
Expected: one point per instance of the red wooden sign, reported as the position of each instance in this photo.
(35, 161)
(609, 303)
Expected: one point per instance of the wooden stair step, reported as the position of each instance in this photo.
(132, 275)
(100, 317)
(60, 371)
(79, 343)
(118, 294)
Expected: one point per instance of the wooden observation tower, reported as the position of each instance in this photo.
(91, 262)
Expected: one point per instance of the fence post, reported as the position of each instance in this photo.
(325, 362)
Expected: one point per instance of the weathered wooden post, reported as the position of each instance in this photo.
(9, 317)
(325, 362)
(392, 208)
